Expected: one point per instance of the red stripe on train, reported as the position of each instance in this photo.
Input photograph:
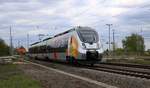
(55, 55)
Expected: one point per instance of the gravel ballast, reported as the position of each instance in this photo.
(51, 79)
(120, 81)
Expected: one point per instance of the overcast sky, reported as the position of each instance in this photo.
(50, 17)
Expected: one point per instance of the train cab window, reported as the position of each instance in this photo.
(88, 36)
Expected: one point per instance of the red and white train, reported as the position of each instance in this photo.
(78, 45)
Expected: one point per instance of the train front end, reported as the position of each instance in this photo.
(90, 50)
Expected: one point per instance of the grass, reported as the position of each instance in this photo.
(12, 77)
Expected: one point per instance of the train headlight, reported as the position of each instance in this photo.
(84, 46)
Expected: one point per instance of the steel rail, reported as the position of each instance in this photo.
(129, 65)
(122, 71)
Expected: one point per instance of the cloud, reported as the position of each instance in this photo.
(25, 15)
(11, 1)
(136, 16)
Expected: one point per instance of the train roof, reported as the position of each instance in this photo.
(76, 28)
(47, 38)
(83, 28)
(35, 43)
(64, 32)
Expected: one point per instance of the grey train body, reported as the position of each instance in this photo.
(78, 45)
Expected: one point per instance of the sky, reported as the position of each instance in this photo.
(50, 17)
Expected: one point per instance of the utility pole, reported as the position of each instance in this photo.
(109, 34)
(113, 42)
(141, 48)
(137, 44)
(28, 42)
(11, 45)
(18, 44)
(39, 35)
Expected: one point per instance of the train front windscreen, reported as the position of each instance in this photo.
(88, 36)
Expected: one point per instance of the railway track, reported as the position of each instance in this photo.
(122, 70)
(128, 65)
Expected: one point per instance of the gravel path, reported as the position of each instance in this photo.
(51, 79)
(120, 81)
